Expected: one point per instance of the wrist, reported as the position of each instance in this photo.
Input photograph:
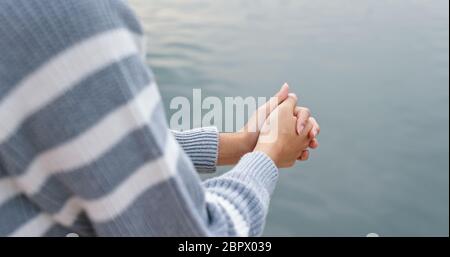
(232, 146)
(243, 142)
(248, 141)
(271, 151)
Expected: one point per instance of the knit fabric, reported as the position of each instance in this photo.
(84, 143)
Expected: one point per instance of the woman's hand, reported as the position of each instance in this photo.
(232, 146)
(282, 137)
(303, 117)
(252, 129)
(255, 122)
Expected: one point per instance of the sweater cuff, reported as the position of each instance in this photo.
(256, 169)
(201, 145)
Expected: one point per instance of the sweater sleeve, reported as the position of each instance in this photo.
(94, 153)
(201, 145)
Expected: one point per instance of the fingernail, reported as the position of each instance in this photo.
(314, 133)
(285, 85)
(293, 95)
(282, 88)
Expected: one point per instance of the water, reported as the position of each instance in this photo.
(374, 73)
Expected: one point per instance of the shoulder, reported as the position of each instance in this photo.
(33, 31)
(73, 18)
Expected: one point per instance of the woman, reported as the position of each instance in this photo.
(85, 147)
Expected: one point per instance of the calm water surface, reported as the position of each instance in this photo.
(374, 73)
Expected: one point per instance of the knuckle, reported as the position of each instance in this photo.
(307, 110)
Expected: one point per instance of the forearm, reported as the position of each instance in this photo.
(232, 146)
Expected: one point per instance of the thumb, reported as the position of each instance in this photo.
(283, 93)
(274, 101)
(264, 110)
(290, 103)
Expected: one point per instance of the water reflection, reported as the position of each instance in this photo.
(375, 73)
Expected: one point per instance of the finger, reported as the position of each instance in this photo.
(282, 94)
(290, 102)
(316, 128)
(264, 110)
(314, 143)
(274, 101)
(308, 127)
(304, 156)
(303, 115)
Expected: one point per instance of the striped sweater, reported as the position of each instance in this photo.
(84, 142)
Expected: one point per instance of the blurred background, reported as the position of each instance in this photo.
(375, 75)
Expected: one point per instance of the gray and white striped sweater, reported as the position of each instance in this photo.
(84, 143)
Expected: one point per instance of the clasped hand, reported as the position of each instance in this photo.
(279, 128)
